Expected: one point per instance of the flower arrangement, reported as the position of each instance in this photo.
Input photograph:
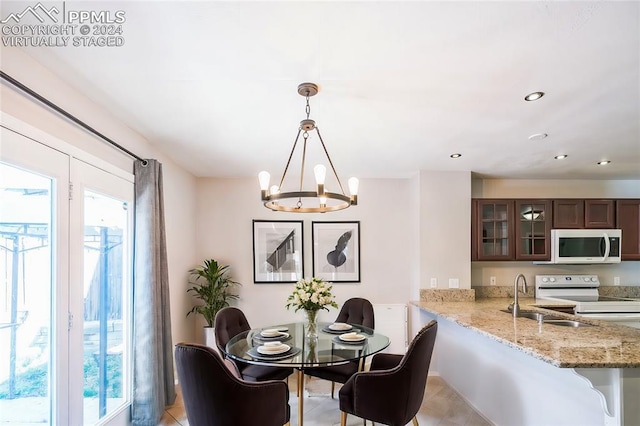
(311, 295)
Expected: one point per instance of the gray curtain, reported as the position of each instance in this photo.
(153, 381)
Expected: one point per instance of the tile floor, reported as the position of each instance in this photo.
(442, 406)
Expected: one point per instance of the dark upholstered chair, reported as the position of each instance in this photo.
(356, 311)
(215, 395)
(231, 321)
(391, 392)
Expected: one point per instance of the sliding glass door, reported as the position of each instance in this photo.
(65, 288)
(101, 214)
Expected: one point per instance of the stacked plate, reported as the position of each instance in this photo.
(351, 338)
(340, 326)
(272, 334)
(273, 348)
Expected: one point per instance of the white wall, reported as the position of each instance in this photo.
(179, 185)
(445, 228)
(388, 241)
(505, 272)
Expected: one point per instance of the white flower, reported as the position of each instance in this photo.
(311, 295)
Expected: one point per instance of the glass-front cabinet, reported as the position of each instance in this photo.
(493, 230)
(532, 229)
(511, 229)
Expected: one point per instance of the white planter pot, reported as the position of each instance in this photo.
(209, 337)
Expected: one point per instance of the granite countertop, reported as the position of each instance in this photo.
(603, 345)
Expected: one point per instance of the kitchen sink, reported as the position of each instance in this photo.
(566, 323)
(538, 316)
(549, 319)
(531, 315)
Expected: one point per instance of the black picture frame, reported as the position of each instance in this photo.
(278, 251)
(336, 251)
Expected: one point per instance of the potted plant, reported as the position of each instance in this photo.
(211, 284)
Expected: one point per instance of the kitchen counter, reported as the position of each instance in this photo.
(602, 345)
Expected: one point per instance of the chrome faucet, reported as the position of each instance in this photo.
(515, 307)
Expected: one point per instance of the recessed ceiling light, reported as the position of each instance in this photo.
(603, 162)
(538, 136)
(534, 96)
(455, 155)
(560, 157)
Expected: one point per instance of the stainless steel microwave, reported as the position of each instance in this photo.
(576, 246)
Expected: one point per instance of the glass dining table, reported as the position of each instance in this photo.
(331, 347)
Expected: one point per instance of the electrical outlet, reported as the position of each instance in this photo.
(434, 283)
(454, 283)
(492, 280)
(616, 280)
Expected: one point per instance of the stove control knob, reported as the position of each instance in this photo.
(552, 279)
(545, 279)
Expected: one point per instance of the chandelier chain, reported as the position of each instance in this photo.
(308, 107)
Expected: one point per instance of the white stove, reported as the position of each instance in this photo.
(582, 292)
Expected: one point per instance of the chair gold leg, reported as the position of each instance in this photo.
(287, 424)
(333, 386)
(415, 421)
(343, 418)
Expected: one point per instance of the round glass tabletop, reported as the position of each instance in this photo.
(255, 347)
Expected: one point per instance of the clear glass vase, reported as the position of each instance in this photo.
(312, 325)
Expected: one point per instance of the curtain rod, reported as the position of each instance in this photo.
(66, 114)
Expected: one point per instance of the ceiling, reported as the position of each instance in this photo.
(402, 84)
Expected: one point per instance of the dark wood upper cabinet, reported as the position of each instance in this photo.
(599, 214)
(579, 214)
(568, 214)
(532, 229)
(520, 229)
(628, 219)
(492, 230)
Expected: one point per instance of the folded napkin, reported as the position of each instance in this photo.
(340, 326)
(270, 332)
(351, 335)
(275, 343)
(273, 348)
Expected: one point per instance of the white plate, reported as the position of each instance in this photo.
(339, 326)
(270, 350)
(352, 337)
(278, 336)
(271, 332)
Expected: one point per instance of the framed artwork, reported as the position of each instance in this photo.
(336, 251)
(277, 251)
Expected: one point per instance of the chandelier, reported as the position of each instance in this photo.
(310, 201)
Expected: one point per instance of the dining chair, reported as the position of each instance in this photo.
(391, 392)
(355, 311)
(214, 394)
(231, 321)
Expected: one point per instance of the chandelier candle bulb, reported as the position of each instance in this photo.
(320, 172)
(353, 189)
(264, 178)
